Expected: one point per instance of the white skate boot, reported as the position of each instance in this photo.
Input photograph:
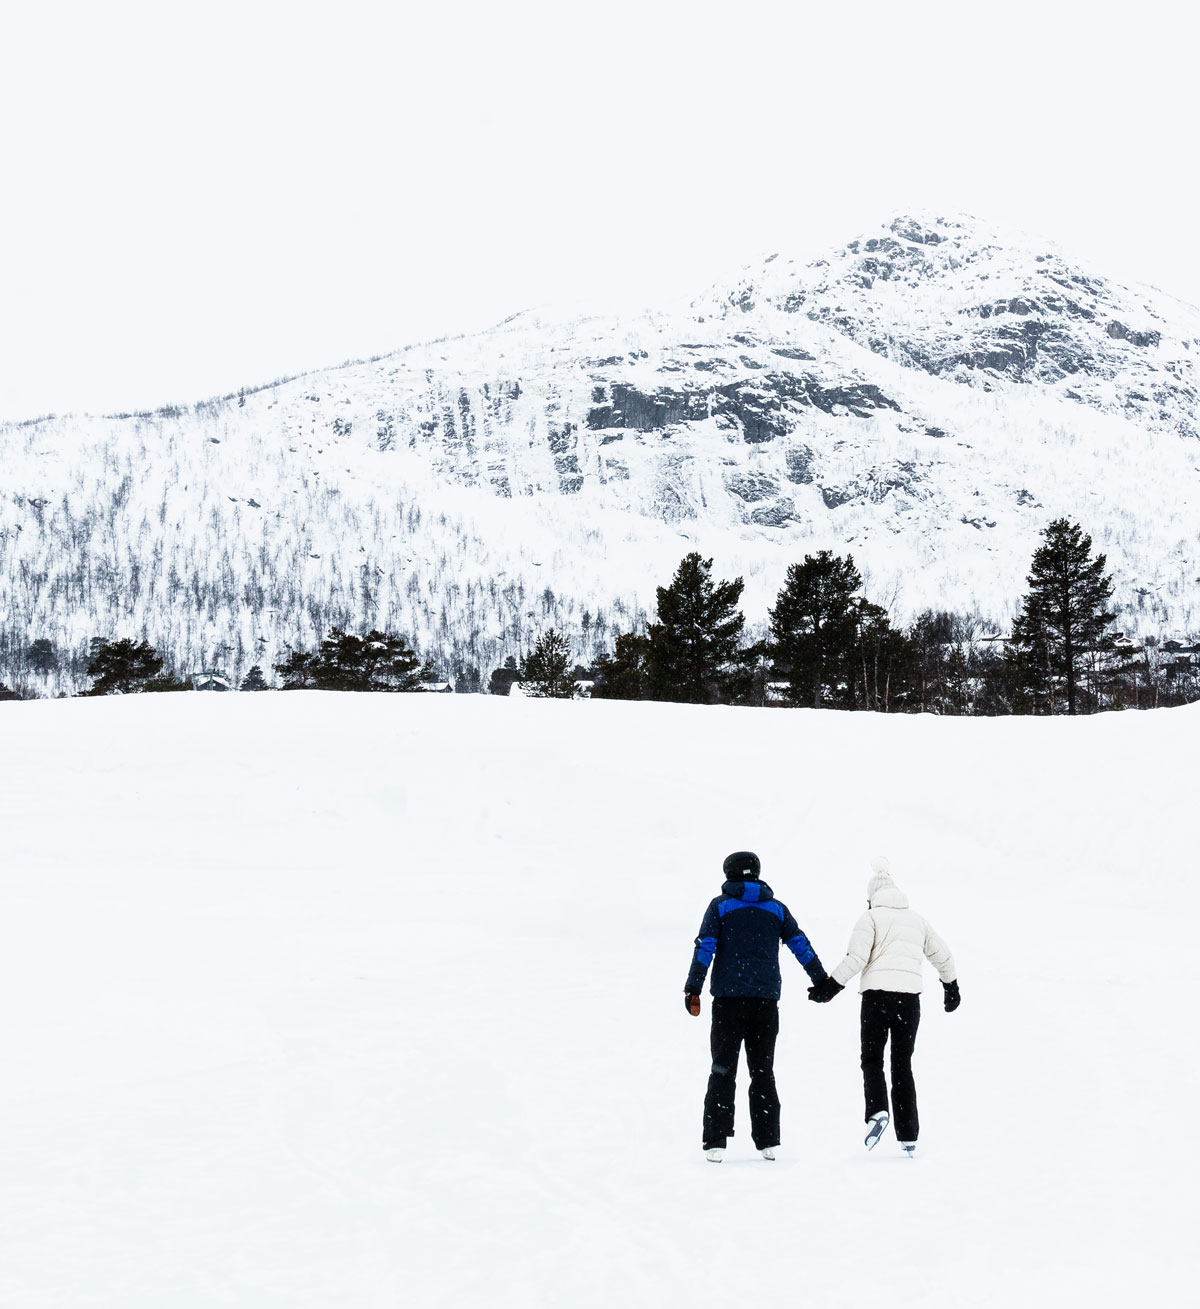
(876, 1126)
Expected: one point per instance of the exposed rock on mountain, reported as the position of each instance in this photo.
(945, 297)
(926, 397)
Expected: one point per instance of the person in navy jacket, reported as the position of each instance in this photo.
(742, 931)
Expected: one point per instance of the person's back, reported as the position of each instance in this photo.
(747, 962)
(742, 930)
(889, 946)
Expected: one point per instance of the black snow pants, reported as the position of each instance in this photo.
(895, 1014)
(736, 1020)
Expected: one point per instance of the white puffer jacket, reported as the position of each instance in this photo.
(889, 945)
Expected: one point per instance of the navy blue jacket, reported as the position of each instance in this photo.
(744, 928)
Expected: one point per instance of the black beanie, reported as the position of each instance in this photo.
(743, 864)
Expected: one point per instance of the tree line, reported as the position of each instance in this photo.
(828, 646)
(377, 661)
(825, 645)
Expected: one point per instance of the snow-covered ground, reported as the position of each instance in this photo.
(357, 1001)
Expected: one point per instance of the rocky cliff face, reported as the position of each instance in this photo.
(926, 397)
(813, 377)
(945, 297)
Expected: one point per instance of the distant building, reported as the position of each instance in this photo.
(1179, 654)
(437, 688)
(215, 681)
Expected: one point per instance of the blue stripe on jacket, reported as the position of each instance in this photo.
(800, 947)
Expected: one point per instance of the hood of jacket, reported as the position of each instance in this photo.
(889, 896)
(750, 892)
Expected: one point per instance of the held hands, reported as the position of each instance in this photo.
(824, 991)
(953, 999)
(692, 1001)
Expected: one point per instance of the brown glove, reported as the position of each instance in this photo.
(693, 1003)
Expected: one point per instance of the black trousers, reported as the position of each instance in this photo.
(738, 1020)
(895, 1014)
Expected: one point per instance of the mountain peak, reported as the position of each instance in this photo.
(928, 396)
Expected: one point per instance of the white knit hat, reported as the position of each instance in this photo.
(880, 876)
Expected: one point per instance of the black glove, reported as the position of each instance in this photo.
(824, 991)
(953, 999)
(692, 1001)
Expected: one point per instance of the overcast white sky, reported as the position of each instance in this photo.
(204, 196)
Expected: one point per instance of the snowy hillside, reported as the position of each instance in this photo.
(364, 1001)
(927, 398)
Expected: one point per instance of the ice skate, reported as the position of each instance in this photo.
(876, 1126)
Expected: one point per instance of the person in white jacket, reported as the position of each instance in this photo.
(889, 946)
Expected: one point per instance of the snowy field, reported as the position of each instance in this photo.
(364, 1002)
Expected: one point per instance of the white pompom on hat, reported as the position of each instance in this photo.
(880, 876)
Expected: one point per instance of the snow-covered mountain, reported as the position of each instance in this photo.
(927, 398)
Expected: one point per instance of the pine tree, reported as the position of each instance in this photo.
(886, 665)
(379, 661)
(958, 682)
(501, 680)
(694, 652)
(467, 679)
(547, 672)
(813, 630)
(623, 675)
(1064, 621)
(122, 667)
(254, 680)
(996, 688)
(299, 671)
(428, 675)
(932, 636)
(42, 657)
